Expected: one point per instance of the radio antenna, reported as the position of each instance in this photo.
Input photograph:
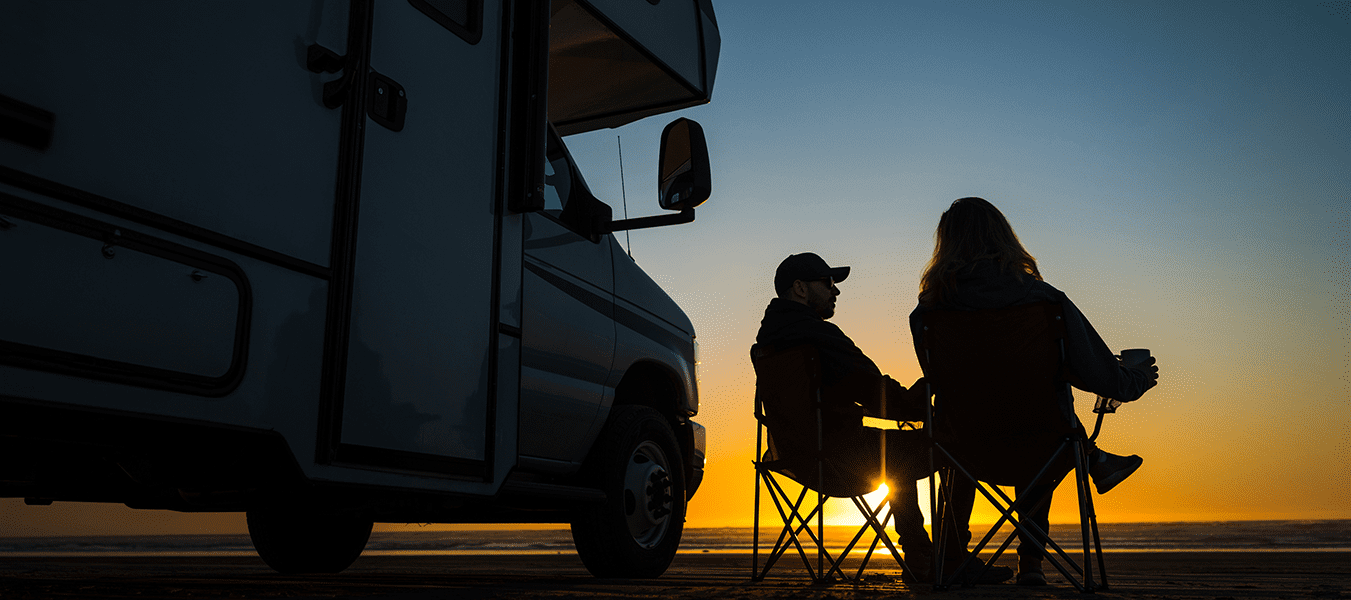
(623, 195)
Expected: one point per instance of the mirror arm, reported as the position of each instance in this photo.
(684, 216)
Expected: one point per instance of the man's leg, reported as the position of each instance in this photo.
(904, 501)
(958, 522)
(908, 462)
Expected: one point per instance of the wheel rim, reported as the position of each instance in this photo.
(647, 495)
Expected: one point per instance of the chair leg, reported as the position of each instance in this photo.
(755, 530)
(789, 532)
(947, 522)
(1007, 508)
(879, 528)
(937, 525)
(872, 547)
(780, 545)
(1088, 524)
(944, 520)
(837, 567)
(794, 525)
(1097, 546)
(1081, 485)
(820, 529)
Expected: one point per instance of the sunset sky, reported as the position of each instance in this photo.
(1182, 170)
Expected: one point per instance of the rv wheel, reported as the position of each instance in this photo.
(296, 541)
(635, 532)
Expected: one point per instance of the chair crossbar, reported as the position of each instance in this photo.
(956, 345)
(1008, 506)
(797, 519)
(870, 515)
(879, 528)
(796, 523)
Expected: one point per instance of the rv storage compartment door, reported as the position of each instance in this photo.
(97, 300)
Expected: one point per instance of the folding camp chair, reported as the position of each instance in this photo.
(789, 443)
(1003, 415)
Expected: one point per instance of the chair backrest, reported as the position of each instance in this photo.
(1001, 404)
(788, 406)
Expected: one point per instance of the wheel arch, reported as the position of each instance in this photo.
(652, 384)
(660, 387)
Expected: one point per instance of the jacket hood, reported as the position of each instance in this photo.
(783, 315)
(983, 284)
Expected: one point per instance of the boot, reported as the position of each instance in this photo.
(915, 545)
(921, 563)
(1107, 470)
(1029, 570)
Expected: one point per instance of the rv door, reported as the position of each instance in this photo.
(422, 355)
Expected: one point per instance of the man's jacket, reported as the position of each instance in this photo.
(851, 384)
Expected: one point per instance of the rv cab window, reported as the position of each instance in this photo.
(558, 175)
(556, 183)
(566, 197)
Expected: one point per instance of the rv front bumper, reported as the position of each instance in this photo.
(694, 469)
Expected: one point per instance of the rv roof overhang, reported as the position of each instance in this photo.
(612, 62)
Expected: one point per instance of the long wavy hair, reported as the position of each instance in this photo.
(972, 230)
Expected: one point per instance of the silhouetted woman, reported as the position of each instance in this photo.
(979, 263)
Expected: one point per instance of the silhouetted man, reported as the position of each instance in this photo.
(807, 293)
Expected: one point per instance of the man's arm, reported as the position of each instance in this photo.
(907, 404)
(857, 394)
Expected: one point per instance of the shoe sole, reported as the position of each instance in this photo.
(1112, 480)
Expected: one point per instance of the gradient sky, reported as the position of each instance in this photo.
(1180, 170)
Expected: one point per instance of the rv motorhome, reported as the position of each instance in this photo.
(330, 263)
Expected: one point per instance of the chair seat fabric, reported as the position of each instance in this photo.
(1000, 404)
(787, 383)
(824, 448)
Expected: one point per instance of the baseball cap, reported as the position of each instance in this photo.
(805, 266)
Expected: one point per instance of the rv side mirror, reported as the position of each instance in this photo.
(684, 180)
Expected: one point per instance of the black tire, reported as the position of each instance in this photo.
(637, 463)
(296, 541)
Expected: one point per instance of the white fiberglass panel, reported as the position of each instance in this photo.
(199, 111)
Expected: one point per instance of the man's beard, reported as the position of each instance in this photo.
(823, 304)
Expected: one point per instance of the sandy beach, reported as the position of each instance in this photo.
(1162, 575)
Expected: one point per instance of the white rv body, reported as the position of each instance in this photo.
(278, 254)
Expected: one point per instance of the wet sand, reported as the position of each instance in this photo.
(1155, 575)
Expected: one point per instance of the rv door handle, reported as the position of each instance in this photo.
(322, 60)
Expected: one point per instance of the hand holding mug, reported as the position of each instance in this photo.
(1140, 359)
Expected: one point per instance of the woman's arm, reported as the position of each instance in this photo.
(1092, 366)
